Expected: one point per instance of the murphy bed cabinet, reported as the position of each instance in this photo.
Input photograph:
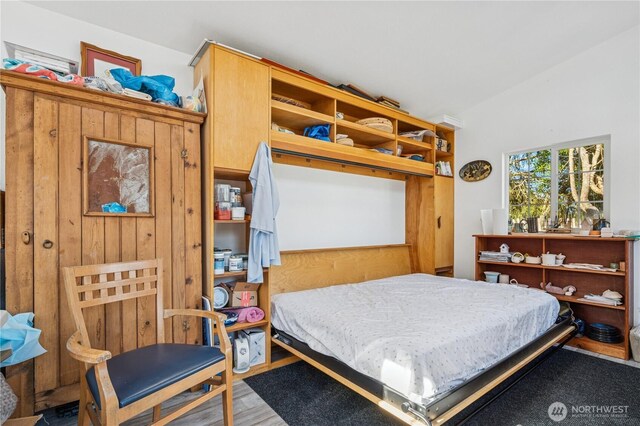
(46, 229)
(596, 250)
(241, 94)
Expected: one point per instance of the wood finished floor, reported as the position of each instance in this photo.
(248, 409)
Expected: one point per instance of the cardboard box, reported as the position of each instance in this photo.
(441, 144)
(244, 295)
(257, 345)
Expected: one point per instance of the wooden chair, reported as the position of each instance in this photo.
(114, 389)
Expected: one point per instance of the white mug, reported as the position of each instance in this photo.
(503, 279)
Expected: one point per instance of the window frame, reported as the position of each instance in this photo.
(605, 140)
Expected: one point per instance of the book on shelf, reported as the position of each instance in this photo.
(386, 100)
(349, 88)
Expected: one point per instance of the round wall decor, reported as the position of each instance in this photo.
(475, 171)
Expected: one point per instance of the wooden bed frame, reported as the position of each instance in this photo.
(309, 269)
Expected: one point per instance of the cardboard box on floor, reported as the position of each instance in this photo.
(244, 295)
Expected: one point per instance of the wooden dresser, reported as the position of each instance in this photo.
(46, 229)
(601, 251)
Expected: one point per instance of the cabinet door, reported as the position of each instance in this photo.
(241, 110)
(443, 195)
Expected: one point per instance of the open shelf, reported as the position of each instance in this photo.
(245, 325)
(294, 117)
(574, 299)
(443, 153)
(364, 135)
(411, 146)
(617, 350)
(230, 274)
(221, 221)
(312, 148)
(552, 268)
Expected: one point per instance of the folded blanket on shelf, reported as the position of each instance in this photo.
(251, 314)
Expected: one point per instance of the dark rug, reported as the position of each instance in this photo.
(593, 390)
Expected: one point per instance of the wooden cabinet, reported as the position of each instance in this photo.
(238, 97)
(444, 216)
(46, 229)
(600, 251)
(238, 91)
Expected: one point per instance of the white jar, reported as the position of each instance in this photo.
(218, 263)
(235, 263)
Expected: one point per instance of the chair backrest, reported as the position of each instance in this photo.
(94, 285)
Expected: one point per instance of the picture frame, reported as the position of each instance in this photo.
(95, 60)
(117, 178)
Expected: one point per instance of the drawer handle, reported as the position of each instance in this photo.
(47, 244)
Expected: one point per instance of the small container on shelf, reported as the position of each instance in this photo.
(218, 263)
(222, 210)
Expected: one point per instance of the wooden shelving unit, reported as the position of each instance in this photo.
(242, 95)
(601, 251)
(322, 103)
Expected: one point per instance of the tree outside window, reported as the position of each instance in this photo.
(564, 183)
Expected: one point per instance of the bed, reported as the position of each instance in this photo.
(412, 343)
(419, 334)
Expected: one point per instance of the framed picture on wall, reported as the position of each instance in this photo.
(117, 178)
(96, 61)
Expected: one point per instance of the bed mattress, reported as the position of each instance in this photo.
(419, 334)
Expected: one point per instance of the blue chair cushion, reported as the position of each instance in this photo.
(141, 372)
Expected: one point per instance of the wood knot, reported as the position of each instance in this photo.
(149, 234)
(189, 280)
(190, 210)
(190, 130)
(53, 133)
(196, 245)
(147, 323)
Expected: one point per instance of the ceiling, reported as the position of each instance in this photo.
(434, 57)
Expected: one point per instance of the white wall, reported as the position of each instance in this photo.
(38, 28)
(595, 93)
(319, 208)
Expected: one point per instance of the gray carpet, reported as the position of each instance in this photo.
(303, 396)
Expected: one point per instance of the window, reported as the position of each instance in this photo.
(563, 183)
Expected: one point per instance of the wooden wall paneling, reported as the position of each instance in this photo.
(69, 224)
(146, 249)
(178, 255)
(242, 109)
(129, 248)
(307, 269)
(19, 225)
(420, 222)
(163, 215)
(93, 235)
(193, 229)
(45, 240)
(112, 246)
